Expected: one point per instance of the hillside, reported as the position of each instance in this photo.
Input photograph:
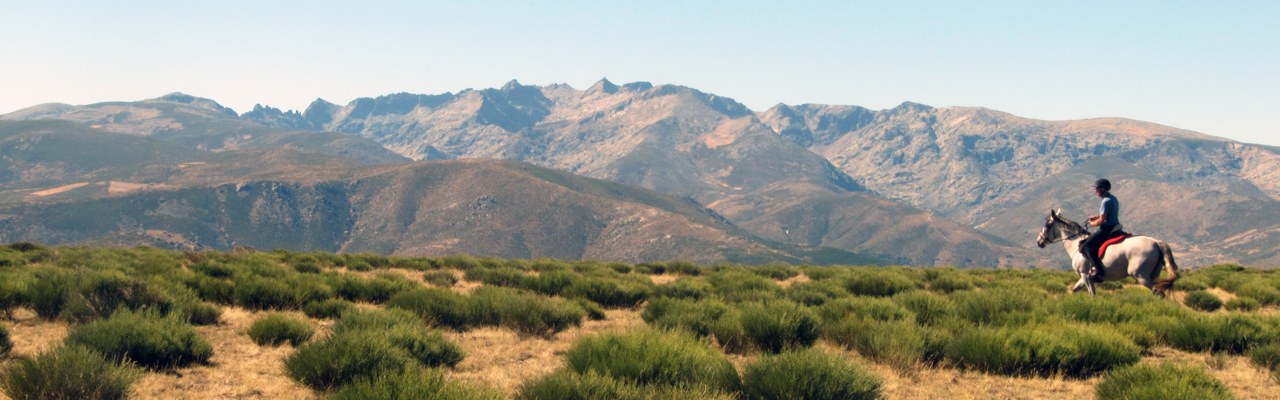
(203, 124)
(1214, 199)
(667, 138)
(293, 200)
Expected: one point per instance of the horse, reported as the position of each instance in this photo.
(1137, 256)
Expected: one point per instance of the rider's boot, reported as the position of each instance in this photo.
(1094, 264)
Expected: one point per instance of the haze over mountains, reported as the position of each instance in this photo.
(912, 184)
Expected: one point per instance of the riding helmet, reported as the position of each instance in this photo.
(1103, 184)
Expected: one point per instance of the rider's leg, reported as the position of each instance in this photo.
(1090, 248)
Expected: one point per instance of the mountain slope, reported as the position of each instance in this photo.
(305, 201)
(666, 138)
(203, 124)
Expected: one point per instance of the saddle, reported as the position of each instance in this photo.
(1116, 237)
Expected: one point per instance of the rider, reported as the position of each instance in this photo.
(1106, 222)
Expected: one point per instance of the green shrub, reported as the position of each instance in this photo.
(13, 294)
(863, 306)
(438, 307)
(367, 344)
(1263, 293)
(1189, 283)
(412, 384)
(443, 279)
(327, 309)
(691, 288)
(650, 357)
(779, 325)
(504, 276)
(808, 374)
(698, 317)
(611, 293)
(1203, 301)
(1163, 382)
(899, 344)
(259, 293)
(526, 313)
(593, 310)
(385, 285)
(213, 269)
(1042, 350)
(340, 359)
(306, 267)
(220, 291)
(815, 293)
(998, 306)
(551, 283)
(145, 338)
(776, 272)
(947, 283)
(567, 385)
(68, 372)
(928, 308)
(1242, 304)
(737, 285)
(1232, 333)
(1141, 336)
(684, 268)
(276, 329)
(1095, 309)
(200, 313)
(1267, 356)
(877, 282)
(6, 345)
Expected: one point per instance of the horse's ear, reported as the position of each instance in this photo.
(1057, 213)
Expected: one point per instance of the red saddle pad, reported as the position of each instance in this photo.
(1120, 237)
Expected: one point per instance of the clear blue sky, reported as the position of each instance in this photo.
(1212, 67)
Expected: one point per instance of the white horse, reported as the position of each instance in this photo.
(1137, 256)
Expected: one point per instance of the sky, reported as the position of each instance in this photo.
(1212, 67)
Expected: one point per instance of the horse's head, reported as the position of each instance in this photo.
(1050, 227)
(1057, 228)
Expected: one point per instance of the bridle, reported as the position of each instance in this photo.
(1053, 221)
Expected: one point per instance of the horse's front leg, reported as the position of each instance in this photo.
(1083, 281)
(1092, 291)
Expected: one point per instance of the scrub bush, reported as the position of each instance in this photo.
(697, 317)
(6, 345)
(146, 338)
(877, 282)
(567, 385)
(778, 325)
(1232, 333)
(651, 357)
(612, 293)
(1266, 357)
(276, 329)
(216, 290)
(551, 283)
(808, 374)
(528, 314)
(1203, 301)
(411, 384)
(259, 293)
(899, 344)
(68, 372)
(868, 307)
(593, 310)
(442, 279)
(776, 272)
(682, 288)
(952, 282)
(1042, 350)
(928, 308)
(815, 293)
(1163, 382)
(1242, 304)
(1265, 294)
(998, 306)
(438, 307)
(367, 344)
(327, 309)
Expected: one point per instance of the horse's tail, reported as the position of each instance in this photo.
(1170, 266)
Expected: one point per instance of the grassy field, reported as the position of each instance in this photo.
(149, 323)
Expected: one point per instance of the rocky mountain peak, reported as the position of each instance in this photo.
(603, 86)
(638, 86)
(182, 98)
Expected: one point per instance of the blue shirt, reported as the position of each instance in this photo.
(1110, 209)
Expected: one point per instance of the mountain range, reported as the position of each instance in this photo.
(913, 184)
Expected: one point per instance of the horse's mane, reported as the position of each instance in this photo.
(1073, 228)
